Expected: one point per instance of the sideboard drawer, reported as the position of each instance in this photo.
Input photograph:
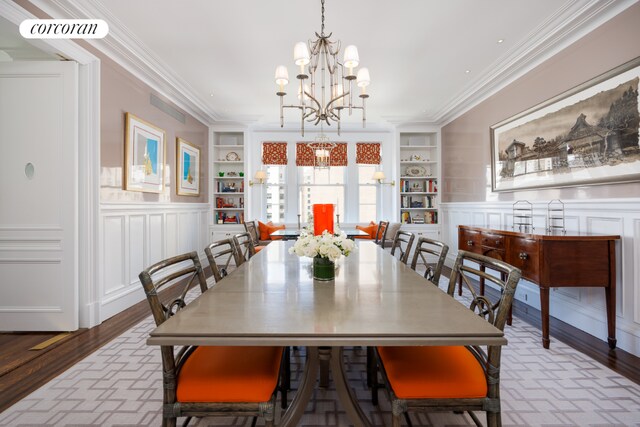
(524, 255)
(490, 240)
(470, 240)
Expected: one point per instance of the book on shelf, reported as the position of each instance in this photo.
(225, 218)
(405, 218)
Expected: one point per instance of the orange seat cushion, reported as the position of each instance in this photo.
(229, 374)
(272, 228)
(369, 229)
(433, 372)
(259, 248)
(262, 229)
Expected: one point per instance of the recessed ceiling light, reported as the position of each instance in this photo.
(500, 41)
(211, 94)
(467, 71)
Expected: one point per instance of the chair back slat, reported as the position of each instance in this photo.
(244, 246)
(475, 268)
(435, 248)
(220, 254)
(402, 242)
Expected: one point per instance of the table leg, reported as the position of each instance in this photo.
(324, 356)
(296, 410)
(544, 312)
(345, 393)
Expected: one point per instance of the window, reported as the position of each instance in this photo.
(276, 191)
(325, 186)
(367, 194)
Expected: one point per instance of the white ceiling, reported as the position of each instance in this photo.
(222, 54)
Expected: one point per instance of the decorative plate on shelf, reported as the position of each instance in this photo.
(232, 174)
(416, 171)
(232, 156)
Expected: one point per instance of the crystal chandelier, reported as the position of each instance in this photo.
(329, 90)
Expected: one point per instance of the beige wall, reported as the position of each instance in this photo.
(120, 93)
(466, 140)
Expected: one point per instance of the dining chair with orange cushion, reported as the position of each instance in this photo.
(401, 247)
(244, 244)
(208, 381)
(452, 378)
(220, 254)
(250, 227)
(426, 249)
(381, 233)
(369, 229)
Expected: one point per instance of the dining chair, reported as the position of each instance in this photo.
(220, 254)
(244, 244)
(402, 242)
(207, 381)
(425, 249)
(451, 378)
(381, 233)
(251, 228)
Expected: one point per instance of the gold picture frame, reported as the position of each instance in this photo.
(144, 156)
(187, 168)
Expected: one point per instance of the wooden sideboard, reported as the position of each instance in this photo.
(552, 260)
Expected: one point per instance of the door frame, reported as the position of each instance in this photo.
(88, 162)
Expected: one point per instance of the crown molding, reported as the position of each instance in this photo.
(569, 24)
(123, 48)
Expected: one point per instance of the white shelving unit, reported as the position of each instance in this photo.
(419, 168)
(228, 181)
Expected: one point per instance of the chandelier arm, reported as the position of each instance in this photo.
(336, 99)
(314, 100)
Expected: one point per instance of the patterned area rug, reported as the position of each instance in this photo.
(120, 385)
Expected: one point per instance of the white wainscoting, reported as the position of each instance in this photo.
(583, 308)
(136, 235)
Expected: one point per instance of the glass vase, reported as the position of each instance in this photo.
(323, 269)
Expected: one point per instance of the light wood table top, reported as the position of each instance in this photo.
(374, 300)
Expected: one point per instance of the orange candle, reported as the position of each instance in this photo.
(322, 219)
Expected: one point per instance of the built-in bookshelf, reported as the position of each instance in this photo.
(228, 186)
(419, 178)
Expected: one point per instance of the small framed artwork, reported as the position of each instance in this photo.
(144, 157)
(187, 168)
(587, 135)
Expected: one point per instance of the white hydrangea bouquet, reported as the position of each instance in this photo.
(326, 245)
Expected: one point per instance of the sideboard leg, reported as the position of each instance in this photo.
(610, 296)
(544, 311)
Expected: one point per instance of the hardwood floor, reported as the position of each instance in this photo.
(22, 372)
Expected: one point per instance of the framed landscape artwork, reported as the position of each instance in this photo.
(144, 156)
(187, 168)
(587, 135)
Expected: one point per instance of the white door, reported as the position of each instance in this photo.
(38, 196)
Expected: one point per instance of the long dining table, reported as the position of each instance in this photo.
(375, 300)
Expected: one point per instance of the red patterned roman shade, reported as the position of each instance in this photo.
(304, 154)
(368, 153)
(274, 153)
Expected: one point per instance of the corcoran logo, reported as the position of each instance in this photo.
(64, 28)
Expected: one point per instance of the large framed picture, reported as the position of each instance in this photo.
(587, 135)
(144, 156)
(187, 168)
